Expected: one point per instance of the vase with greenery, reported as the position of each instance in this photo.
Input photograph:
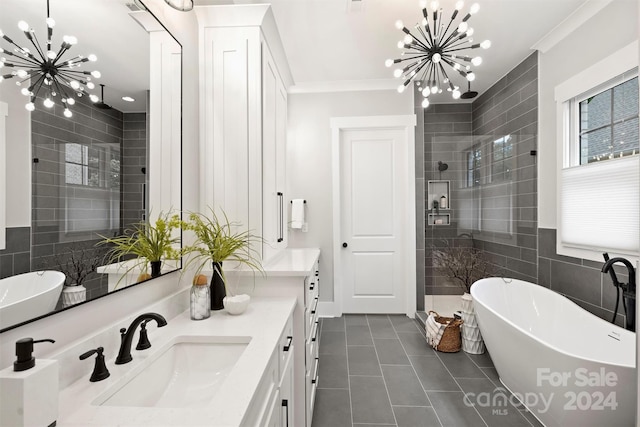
(219, 240)
(146, 243)
(464, 264)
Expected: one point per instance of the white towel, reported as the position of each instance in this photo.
(434, 330)
(297, 213)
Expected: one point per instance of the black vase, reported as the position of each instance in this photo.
(217, 289)
(155, 268)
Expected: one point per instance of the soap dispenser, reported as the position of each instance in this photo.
(29, 390)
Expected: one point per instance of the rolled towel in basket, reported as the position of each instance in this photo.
(434, 330)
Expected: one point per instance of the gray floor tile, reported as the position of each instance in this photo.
(432, 374)
(492, 374)
(363, 361)
(402, 323)
(332, 372)
(403, 386)
(460, 365)
(415, 344)
(381, 326)
(356, 319)
(390, 352)
(493, 403)
(407, 416)
(358, 335)
(369, 401)
(452, 410)
(332, 323)
(332, 342)
(481, 360)
(332, 408)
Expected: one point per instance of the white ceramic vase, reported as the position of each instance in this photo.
(236, 304)
(472, 341)
(72, 295)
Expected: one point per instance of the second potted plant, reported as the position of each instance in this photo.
(219, 240)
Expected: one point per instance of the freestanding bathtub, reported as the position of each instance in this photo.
(28, 295)
(567, 366)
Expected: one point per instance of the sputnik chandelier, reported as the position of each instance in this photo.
(437, 47)
(45, 71)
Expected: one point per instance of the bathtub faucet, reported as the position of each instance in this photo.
(628, 289)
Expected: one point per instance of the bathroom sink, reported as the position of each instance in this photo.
(187, 372)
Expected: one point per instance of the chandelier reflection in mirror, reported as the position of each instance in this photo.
(46, 72)
(435, 48)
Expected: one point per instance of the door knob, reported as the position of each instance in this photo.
(344, 245)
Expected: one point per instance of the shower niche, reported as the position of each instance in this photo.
(439, 202)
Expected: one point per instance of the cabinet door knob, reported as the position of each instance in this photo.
(344, 245)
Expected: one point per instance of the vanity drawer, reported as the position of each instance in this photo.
(265, 395)
(311, 316)
(311, 381)
(285, 346)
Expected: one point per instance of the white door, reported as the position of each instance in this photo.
(373, 200)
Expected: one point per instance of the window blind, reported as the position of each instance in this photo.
(599, 205)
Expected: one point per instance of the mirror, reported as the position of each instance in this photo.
(113, 163)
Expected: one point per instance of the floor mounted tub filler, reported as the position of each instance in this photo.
(28, 295)
(567, 366)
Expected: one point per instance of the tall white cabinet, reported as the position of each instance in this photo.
(244, 76)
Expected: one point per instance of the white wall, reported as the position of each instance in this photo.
(68, 326)
(309, 160)
(610, 29)
(18, 160)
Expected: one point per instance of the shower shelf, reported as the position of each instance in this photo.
(437, 215)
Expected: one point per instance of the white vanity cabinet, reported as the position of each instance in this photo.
(294, 273)
(244, 76)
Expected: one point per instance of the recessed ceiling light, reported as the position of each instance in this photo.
(128, 99)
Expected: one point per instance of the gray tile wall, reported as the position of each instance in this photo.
(50, 131)
(578, 279)
(507, 108)
(134, 159)
(16, 257)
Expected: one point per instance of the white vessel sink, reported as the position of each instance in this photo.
(187, 372)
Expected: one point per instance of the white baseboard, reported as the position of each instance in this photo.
(444, 305)
(328, 309)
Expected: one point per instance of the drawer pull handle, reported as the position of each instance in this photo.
(285, 405)
(315, 331)
(315, 306)
(288, 346)
(315, 375)
(313, 285)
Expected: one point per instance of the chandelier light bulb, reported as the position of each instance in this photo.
(408, 39)
(469, 32)
(48, 103)
(456, 94)
(474, 9)
(425, 22)
(400, 44)
(25, 91)
(434, 89)
(93, 98)
(459, 5)
(70, 40)
(436, 58)
(96, 74)
(50, 22)
(463, 27)
(67, 113)
(400, 88)
(71, 101)
(397, 73)
(425, 103)
(388, 63)
(471, 77)
(21, 73)
(485, 44)
(74, 84)
(426, 92)
(90, 85)
(23, 26)
(92, 58)
(399, 24)
(422, 3)
(434, 6)
(476, 61)
(30, 106)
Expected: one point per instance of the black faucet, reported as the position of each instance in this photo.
(126, 335)
(628, 289)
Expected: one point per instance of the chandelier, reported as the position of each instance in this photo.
(45, 71)
(435, 48)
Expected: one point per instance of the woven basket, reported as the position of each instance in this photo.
(451, 341)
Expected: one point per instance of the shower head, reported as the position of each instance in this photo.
(100, 104)
(469, 94)
(442, 166)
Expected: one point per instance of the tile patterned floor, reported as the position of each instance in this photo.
(377, 370)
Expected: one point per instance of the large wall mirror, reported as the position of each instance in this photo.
(68, 177)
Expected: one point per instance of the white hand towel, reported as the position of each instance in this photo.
(297, 213)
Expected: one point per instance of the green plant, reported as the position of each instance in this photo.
(147, 241)
(218, 240)
(463, 264)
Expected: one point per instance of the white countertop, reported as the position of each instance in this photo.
(290, 262)
(263, 321)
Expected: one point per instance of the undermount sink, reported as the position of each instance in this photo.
(187, 372)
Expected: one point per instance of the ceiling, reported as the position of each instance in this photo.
(329, 41)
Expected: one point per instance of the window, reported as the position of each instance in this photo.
(599, 175)
(608, 123)
(474, 163)
(501, 167)
(92, 166)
